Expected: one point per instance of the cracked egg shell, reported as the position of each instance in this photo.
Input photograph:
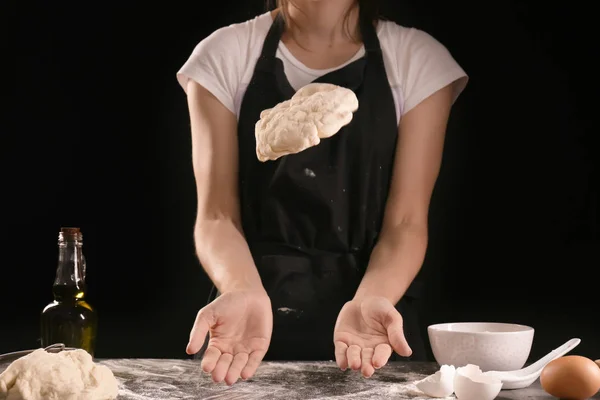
(440, 384)
(471, 384)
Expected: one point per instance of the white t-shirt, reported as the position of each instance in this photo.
(417, 65)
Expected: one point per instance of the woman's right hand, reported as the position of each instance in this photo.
(240, 320)
(240, 324)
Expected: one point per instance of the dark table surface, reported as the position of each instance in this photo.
(149, 379)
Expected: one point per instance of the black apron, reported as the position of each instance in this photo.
(312, 219)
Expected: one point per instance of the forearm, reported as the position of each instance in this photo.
(225, 256)
(395, 262)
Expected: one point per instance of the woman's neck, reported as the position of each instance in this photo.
(319, 23)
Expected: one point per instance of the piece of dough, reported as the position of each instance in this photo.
(315, 112)
(68, 375)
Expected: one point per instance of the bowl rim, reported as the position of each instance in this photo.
(438, 327)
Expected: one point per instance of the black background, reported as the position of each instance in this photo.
(98, 137)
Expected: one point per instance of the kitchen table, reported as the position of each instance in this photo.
(150, 379)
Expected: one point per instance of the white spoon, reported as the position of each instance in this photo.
(524, 377)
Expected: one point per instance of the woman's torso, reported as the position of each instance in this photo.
(416, 64)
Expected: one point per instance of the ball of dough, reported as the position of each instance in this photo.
(68, 375)
(315, 112)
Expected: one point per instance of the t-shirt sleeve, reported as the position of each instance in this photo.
(215, 64)
(427, 66)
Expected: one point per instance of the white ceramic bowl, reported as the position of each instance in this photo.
(490, 345)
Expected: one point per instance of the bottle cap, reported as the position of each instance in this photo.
(70, 233)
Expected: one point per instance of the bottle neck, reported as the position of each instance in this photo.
(69, 283)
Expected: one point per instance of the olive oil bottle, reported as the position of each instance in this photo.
(69, 319)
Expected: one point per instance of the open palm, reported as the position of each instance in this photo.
(240, 326)
(365, 334)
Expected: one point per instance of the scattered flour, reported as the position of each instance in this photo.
(156, 379)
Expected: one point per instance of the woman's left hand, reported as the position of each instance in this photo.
(366, 332)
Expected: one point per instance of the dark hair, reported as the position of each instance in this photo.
(369, 11)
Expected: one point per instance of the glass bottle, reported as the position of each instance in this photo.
(69, 319)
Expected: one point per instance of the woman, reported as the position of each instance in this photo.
(314, 255)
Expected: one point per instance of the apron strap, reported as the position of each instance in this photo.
(369, 35)
(266, 61)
